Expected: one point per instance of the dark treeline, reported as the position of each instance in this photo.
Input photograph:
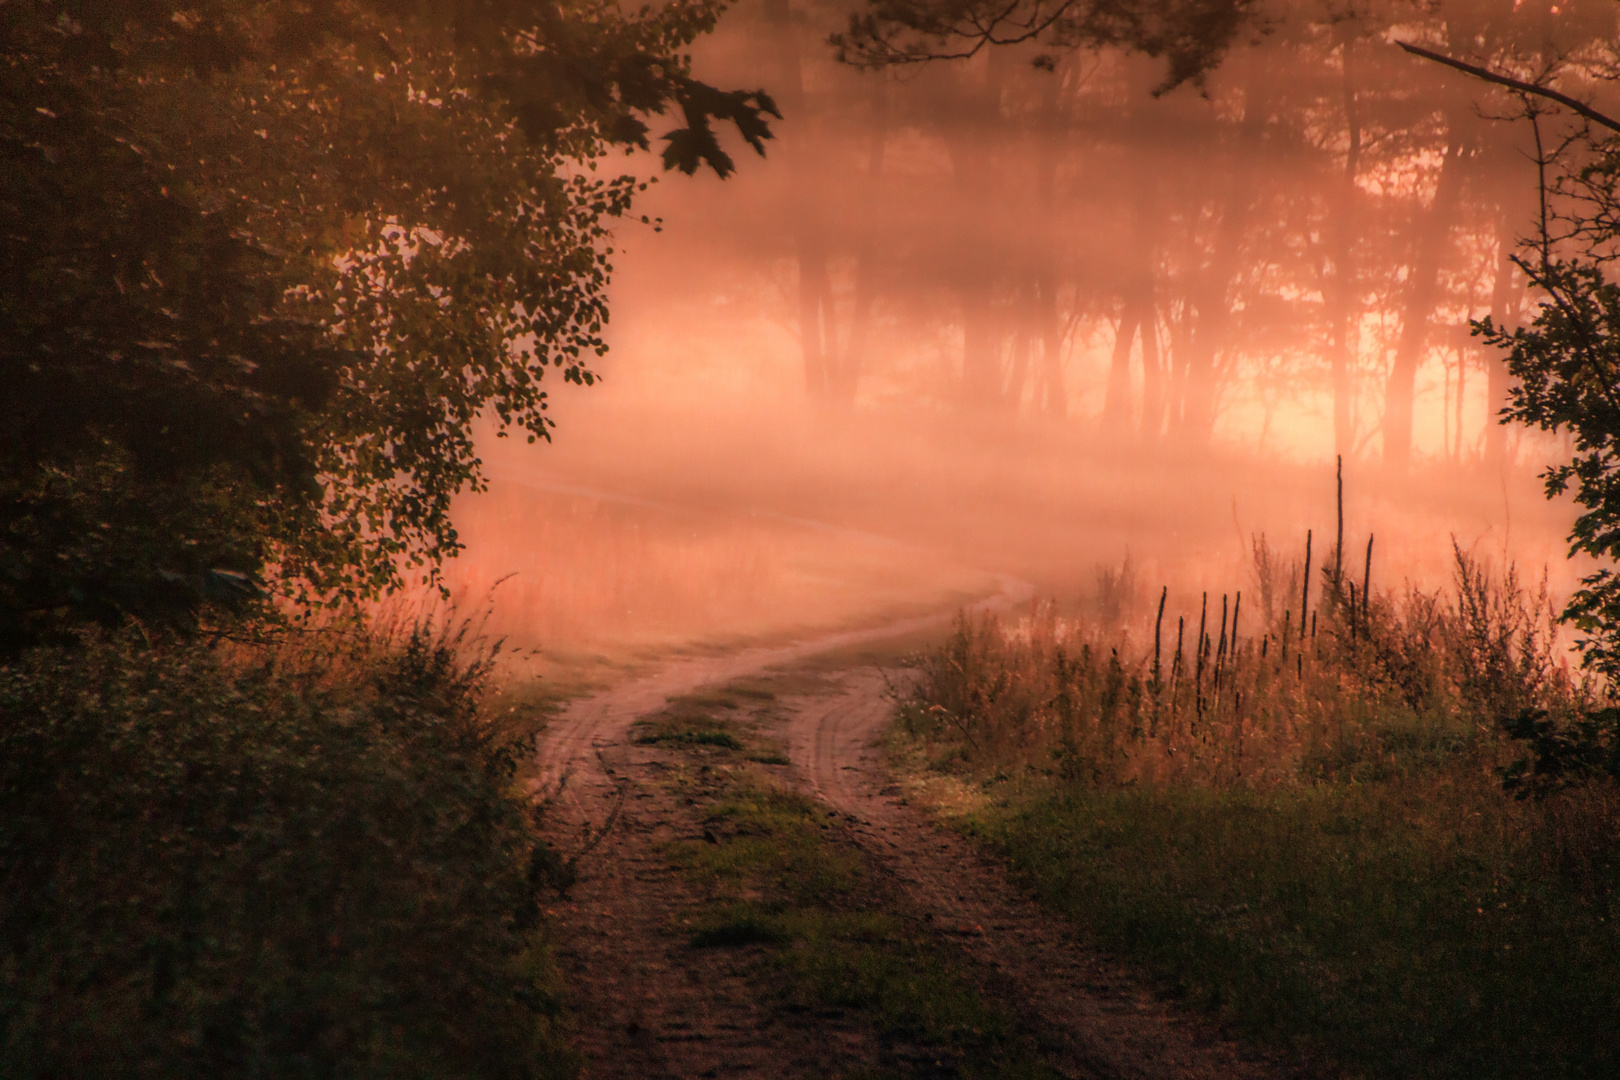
(1307, 231)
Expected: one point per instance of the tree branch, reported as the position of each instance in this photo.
(1515, 84)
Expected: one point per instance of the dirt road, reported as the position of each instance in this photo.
(650, 1007)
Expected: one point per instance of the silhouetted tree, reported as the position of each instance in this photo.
(1567, 361)
(1191, 35)
(263, 265)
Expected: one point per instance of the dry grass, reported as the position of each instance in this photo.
(1309, 832)
(1236, 696)
(595, 582)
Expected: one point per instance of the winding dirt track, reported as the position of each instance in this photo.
(571, 741)
(655, 1014)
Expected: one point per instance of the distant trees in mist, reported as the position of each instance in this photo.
(1311, 223)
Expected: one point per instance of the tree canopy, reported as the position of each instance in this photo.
(1191, 35)
(265, 264)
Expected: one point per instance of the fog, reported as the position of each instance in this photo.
(982, 317)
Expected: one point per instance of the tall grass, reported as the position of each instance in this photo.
(1251, 694)
(1302, 822)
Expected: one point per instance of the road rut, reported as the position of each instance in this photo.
(652, 1009)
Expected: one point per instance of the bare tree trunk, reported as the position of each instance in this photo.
(1116, 399)
(1018, 368)
(1054, 399)
(974, 148)
(804, 212)
(816, 337)
(1507, 299)
(1423, 292)
(1153, 377)
(848, 366)
(1137, 315)
(981, 359)
(1345, 313)
(1051, 397)
(1212, 301)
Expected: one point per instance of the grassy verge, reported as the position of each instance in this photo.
(1408, 929)
(1355, 890)
(786, 881)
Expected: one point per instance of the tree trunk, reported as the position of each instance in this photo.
(976, 145)
(804, 211)
(1507, 299)
(1018, 367)
(815, 330)
(849, 363)
(1137, 315)
(1344, 311)
(1423, 292)
(1053, 399)
(1116, 400)
(1153, 377)
(981, 360)
(1211, 332)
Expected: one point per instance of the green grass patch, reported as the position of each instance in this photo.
(787, 883)
(1423, 927)
(725, 740)
(692, 721)
(737, 926)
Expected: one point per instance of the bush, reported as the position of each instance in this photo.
(262, 863)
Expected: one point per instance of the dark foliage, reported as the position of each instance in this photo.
(1562, 751)
(262, 265)
(1190, 35)
(272, 867)
(1567, 364)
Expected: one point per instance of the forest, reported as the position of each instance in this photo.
(905, 538)
(1288, 246)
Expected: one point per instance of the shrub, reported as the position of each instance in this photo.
(263, 863)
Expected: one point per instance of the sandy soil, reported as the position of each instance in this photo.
(649, 1006)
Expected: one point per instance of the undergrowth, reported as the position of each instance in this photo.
(1316, 833)
(269, 860)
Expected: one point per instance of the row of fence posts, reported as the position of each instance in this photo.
(1356, 606)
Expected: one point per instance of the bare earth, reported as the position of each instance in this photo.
(649, 1005)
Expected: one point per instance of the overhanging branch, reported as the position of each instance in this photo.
(1511, 83)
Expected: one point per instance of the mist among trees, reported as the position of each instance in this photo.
(1277, 238)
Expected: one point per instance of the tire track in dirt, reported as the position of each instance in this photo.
(1097, 1019)
(647, 1005)
(571, 740)
(645, 1008)
(650, 1009)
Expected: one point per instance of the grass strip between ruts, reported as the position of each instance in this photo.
(787, 879)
